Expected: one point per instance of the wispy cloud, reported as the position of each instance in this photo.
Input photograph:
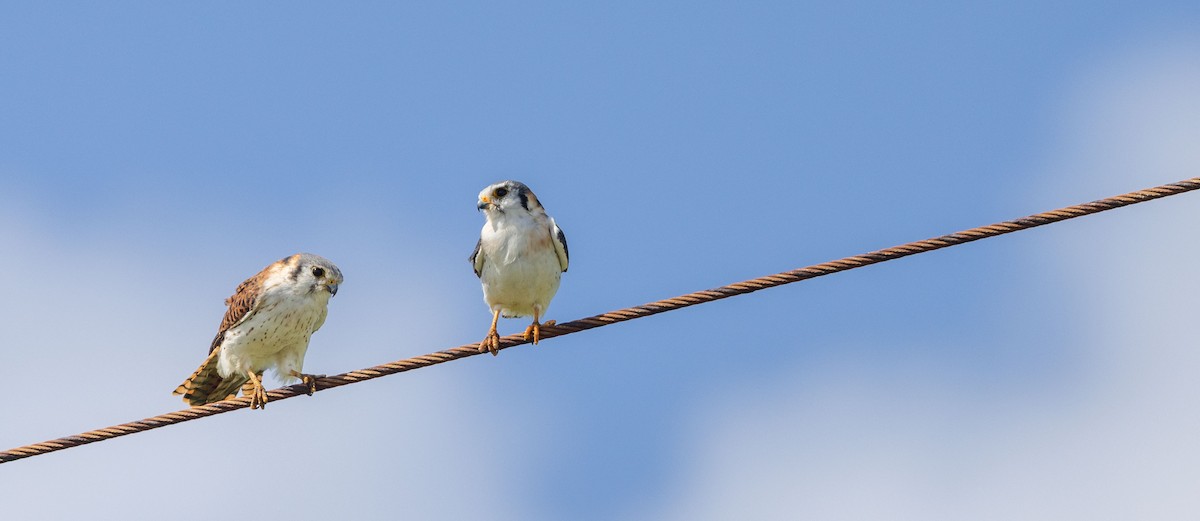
(1112, 436)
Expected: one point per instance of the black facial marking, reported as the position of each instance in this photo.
(296, 271)
(523, 193)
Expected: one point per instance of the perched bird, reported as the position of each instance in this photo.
(270, 319)
(520, 256)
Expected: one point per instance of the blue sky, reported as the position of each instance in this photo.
(155, 155)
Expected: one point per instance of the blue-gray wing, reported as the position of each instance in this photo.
(560, 244)
(477, 258)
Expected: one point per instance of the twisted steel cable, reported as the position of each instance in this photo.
(620, 315)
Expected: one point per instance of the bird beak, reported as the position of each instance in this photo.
(332, 288)
(484, 202)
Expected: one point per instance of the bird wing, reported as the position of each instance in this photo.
(206, 385)
(242, 305)
(477, 258)
(560, 244)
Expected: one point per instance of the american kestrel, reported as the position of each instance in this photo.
(520, 256)
(270, 319)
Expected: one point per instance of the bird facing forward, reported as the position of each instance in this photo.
(267, 326)
(519, 259)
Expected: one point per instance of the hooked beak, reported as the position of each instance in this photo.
(484, 202)
(332, 287)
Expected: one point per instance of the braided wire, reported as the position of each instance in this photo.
(621, 315)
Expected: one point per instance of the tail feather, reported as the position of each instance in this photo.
(206, 385)
(228, 388)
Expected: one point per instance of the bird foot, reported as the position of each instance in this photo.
(254, 389)
(491, 343)
(258, 397)
(535, 330)
(309, 380)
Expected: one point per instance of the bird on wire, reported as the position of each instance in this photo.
(270, 319)
(519, 259)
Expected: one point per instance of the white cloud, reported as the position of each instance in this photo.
(97, 332)
(1115, 439)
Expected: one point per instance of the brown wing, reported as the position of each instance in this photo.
(241, 304)
(206, 385)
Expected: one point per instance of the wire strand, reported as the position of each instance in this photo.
(621, 315)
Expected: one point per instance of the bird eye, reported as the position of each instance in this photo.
(500, 192)
(318, 271)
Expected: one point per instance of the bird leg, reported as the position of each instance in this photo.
(309, 380)
(258, 396)
(535, 328)
(491, 342)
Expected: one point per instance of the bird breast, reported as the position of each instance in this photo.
(520, 267)
(278, 330)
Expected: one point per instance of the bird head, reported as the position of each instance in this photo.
(316, 272)
(508, 196)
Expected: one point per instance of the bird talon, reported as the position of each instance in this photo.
(258, 395)
(310, 380)
(259, 399)
(535, 331)
(490, 343)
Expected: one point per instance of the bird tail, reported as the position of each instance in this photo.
(206, 385)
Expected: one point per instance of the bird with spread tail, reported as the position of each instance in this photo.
(519, 259)
(270, 319)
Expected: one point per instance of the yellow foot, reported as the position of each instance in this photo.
(535, 330)
(259, 399)
(258, 396)
(491, 343)
(309, 380)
